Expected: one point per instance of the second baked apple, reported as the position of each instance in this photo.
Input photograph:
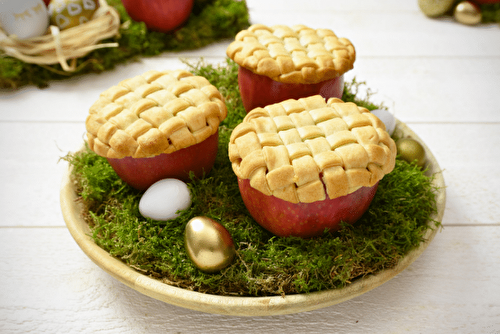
(280, 62)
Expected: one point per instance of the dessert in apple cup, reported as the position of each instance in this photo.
(161, 124)
(305, 165)
(280, 62)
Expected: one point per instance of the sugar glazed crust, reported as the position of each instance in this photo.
(296, 54)
(303, 150)
(153, 113)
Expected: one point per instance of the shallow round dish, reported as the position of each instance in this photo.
(241, 306)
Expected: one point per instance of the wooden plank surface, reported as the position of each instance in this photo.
(452, 287)
(439, 77)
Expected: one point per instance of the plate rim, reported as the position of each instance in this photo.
(234, 305)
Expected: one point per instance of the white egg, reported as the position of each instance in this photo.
(164, 199)
(25, 19)
(387, 118)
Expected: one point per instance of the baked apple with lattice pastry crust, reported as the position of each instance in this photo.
(280, 62)
(305, 165)
(161, 124)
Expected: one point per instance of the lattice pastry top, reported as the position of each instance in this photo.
(296, 54)
(153, 113)
(302, 150)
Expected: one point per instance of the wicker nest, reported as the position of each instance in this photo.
(61, 46)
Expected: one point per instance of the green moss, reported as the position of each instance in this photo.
(265, 264)
(210, 21)
(491, 13)
(351, 94)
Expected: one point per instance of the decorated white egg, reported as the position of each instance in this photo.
(25, 19)
(164, 198)
(387, 118)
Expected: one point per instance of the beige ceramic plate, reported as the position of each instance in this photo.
(239, 306)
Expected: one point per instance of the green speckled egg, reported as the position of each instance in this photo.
(434, 8)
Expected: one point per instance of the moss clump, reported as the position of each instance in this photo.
(210, 21)
(265, 265)
(491, 13)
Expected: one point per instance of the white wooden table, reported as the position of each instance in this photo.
(439, 77)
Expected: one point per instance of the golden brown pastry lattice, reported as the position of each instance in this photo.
(153, 113)
(296, 54)
(301, 150)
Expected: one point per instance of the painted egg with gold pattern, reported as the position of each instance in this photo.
(70, 13)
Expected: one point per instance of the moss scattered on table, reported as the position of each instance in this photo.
(210, 21)
(265, 265)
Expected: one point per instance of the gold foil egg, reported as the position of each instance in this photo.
(410, 150)
(208, 244)
(71, 13)
(467, 13)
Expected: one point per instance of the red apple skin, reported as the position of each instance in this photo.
(304, 220)
(259, 91)
(159, 15)
(46, 2)
(141, 173)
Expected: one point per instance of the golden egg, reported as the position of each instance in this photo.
(70, 13)
(434, 8)
(208, 244)
(467, 13)
(411, 150)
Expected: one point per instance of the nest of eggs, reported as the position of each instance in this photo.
(61, 46)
